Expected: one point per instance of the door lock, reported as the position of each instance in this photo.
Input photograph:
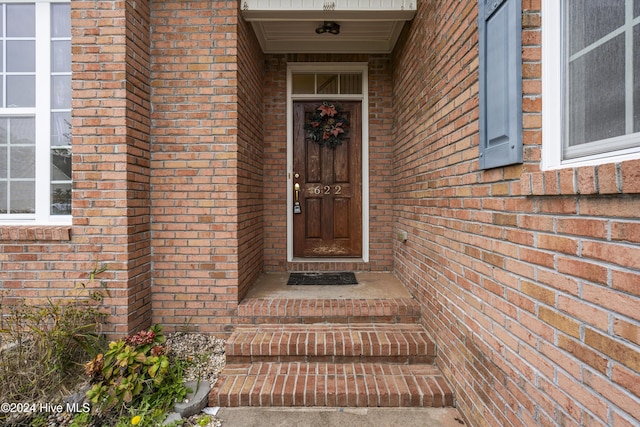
(296, 203)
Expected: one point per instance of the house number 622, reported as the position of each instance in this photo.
(327, 189)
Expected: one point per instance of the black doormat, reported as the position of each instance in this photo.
(345, 278)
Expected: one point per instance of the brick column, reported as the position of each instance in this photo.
(111, 151)
(195, 207)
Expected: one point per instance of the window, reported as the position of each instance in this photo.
(327, 84)
(35, 112)
(591, 81)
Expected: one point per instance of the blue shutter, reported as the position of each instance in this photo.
(500, 39)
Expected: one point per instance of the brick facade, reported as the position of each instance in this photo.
(250, 159)
(528, 280)
(196, 155)
(110, 119)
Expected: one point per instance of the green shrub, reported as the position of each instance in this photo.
(44, 346)
(43, 349)
(135, 374)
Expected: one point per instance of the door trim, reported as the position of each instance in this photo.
(361, 67)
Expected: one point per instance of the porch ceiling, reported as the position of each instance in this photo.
(366, 26)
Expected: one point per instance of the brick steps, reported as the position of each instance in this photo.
(310, 311)
(338, 343)
(330, 385)
(332, 353)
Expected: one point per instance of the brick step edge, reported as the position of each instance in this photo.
(330, 385)
(308, 311)
(398, 343)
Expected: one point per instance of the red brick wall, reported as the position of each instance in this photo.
(111, 151)
(275, 163)
(138, 121)
(194, 163)
(178, 59)
(250, 158)
(529, 280)
(380, 163)
(110, 139)
(39, 262)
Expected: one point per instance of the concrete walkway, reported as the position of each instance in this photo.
(342, 417)
(370, 286)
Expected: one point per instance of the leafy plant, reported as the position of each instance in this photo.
(81, 419)
(172, 388)
(204, 420)
(39, 420)
(135, 372)
(143, 415)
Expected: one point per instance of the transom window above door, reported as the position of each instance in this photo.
(327, 83)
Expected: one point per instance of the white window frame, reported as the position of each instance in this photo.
(553, 100)
(42, 113)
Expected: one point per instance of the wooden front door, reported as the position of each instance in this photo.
(329, 222)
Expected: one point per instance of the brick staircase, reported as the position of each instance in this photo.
(330, 352)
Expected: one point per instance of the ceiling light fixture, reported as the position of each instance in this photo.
(328, 27)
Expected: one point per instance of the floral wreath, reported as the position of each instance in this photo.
(327, 126)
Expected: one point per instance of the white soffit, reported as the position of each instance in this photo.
(366, 26)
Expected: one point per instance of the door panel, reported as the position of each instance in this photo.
(313, 218)
(341, 164)
(330, 220)
(341, 208)
(314, 166)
